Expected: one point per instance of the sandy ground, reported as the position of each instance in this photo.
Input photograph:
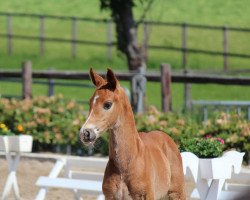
(28, 171)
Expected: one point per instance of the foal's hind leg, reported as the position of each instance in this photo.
(176, 196)
(177, 187)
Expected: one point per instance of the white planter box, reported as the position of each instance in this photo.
(210, 174)
(222, 167)
(21, 143)
(215, 168)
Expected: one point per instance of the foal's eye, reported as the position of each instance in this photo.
(107, 105)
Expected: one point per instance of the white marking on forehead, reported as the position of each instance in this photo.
(86, 122)
(95, 98)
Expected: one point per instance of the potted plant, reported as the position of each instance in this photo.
(11, 142)
(213, 163)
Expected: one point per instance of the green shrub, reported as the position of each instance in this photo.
(175, 125)
(57, 121)
(50, 120)
(234, 129)
(203, 147)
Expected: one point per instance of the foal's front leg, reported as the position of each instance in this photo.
(115, 189)
(110, 186)
(143, 197)
(113, 186)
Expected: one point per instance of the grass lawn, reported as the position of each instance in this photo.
(58, 55)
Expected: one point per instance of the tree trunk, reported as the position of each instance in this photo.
(127, 43)
(127, 38)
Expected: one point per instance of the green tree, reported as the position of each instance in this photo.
(126, 30)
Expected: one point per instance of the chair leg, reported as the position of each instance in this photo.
(42, 194)
(77, 195)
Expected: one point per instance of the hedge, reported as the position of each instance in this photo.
(55, 121)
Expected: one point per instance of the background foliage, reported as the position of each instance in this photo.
(58, 127)
(58, 56)
(56, 121)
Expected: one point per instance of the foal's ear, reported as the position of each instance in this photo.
(96, 79)
(112, 80)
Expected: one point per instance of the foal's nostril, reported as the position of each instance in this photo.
(88, 135)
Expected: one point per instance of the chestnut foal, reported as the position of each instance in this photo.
(141, 165)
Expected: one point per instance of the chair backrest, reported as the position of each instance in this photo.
(85, 168)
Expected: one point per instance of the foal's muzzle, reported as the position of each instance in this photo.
(87, 135)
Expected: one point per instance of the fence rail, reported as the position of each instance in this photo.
(165, 77)
(228, 105)
(176, 77)
(110, 41)
(107, 20)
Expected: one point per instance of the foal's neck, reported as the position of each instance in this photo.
(124, 139)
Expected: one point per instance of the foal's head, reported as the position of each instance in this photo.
(104, 107)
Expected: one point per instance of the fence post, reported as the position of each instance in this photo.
(187, 87)
(205, 114)
(109, 38)
(51, 84)
(42, 34)
(248, 113)
(187, 94)
(138, 91)
(166, 102)
(74, 36)
(225, 48)
(27, 79)
(9, 34)
(145, 38)
(184, 45)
